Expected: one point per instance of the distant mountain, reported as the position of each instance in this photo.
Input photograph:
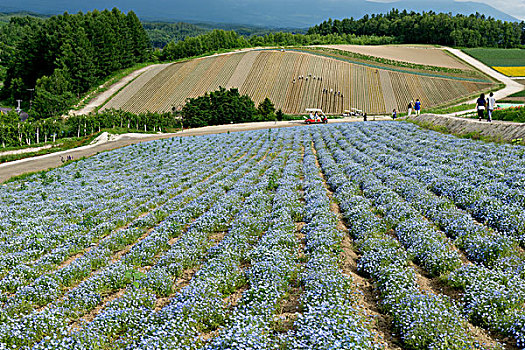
(268, 13)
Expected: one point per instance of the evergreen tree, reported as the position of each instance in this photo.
(77, 57)
(53, 94)
(140, 42)
(219, 107)
(67, 55)
(279, 115)
(266, 110)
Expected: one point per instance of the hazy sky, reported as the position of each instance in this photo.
(514, 8)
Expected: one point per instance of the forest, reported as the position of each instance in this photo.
(57, 60)
(162, 33)
(431, 28)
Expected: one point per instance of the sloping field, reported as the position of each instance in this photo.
(376, 235)
(510, 62)
(424, 55)
(493, 57)
(295, 80)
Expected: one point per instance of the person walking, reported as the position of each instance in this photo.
(394, 114)
(491, 104)
(417, 106)
(481, 104)
(410, 106)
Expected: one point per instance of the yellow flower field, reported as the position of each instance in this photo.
(511, 71)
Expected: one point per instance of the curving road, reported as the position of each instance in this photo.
(511, 86)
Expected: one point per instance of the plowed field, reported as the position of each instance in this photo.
(424, 55)
(295, 80)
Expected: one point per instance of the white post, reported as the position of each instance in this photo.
(18, 109)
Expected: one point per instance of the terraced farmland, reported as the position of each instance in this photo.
(355, 236)
(294, 80)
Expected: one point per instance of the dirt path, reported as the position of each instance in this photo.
(101, 98)
(54, 160)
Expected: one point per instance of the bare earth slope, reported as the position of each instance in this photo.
(298, 79)
(105, 95)
(424, 55)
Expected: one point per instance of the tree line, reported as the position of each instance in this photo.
(219, 39)
(64, 56)
(431, 28)
(14, 133)
(161, 33)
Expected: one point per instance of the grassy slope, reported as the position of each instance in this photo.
(518, 94)
(498, 57)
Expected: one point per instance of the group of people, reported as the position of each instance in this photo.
(332, 91)
(414, 106)
(302, 77)
(68, 158)
(483, 104)
(317, 117)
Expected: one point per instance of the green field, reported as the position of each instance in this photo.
(518, 94)
(498, 57)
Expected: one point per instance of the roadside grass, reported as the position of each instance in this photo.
(474, 135)
(64, 145)
(34, 145)
(451, 109)
(518, 94)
